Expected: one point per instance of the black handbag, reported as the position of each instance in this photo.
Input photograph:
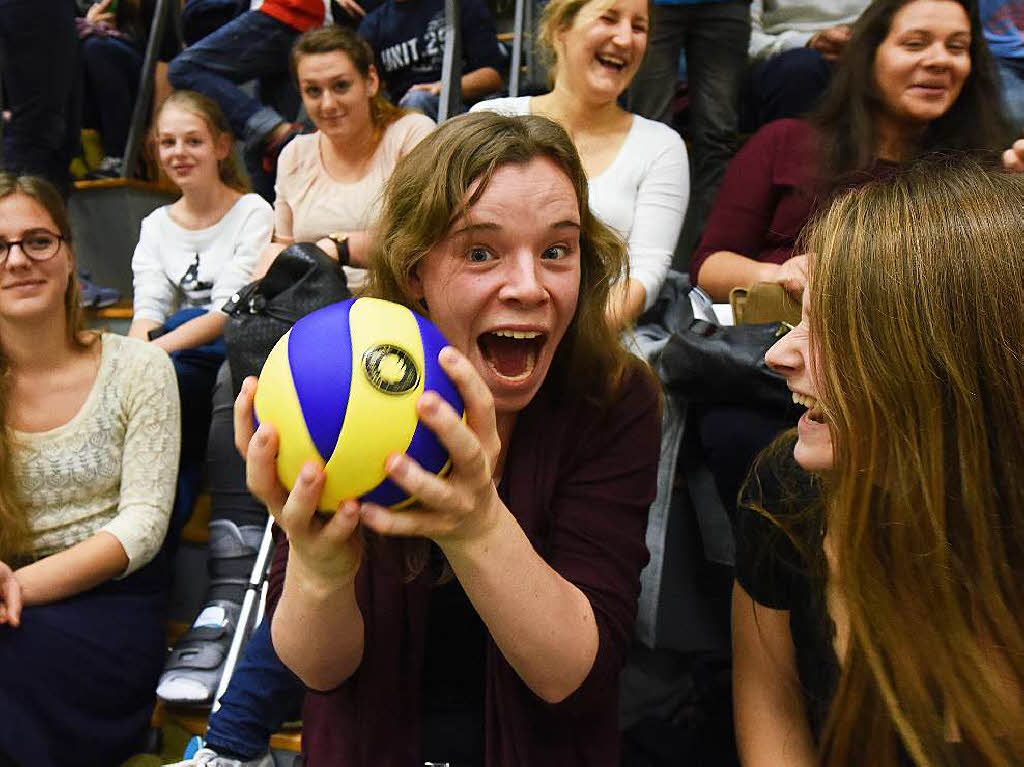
(301, 279)
(724, 364)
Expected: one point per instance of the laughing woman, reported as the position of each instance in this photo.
(489, 624)
(878, 612)
(637, 168)
(88, 458)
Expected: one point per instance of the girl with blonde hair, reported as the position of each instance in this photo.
(878, 613)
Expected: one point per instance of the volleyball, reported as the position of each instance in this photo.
(342, 384)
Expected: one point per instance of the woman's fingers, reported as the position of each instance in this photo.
(406, 523)
(476, 397)
(429, 489)
(11, 598)
(243, 415)
(464, 446)
(261, 469)
(1013, 158)
(299, 509)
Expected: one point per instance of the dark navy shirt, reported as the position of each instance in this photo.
(408, 41)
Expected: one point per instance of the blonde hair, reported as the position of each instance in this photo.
(917, 307)
(558, 16)
(210, 113)
(15, 534)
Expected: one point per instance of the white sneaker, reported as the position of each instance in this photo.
(206, 757)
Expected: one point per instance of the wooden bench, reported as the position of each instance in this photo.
(194, 723)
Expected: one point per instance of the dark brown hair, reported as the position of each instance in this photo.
(343, 40)
(846, 117)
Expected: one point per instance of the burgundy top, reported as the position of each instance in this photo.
(579, 481)
(766, 196)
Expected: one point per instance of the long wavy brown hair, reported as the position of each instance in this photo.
(846, 117)
(917, 307)
(14, 528)
(429, 190)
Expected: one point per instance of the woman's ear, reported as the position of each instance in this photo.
(372, 81)
(416, 285)
(224, 145)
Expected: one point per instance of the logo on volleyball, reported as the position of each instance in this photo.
(390, 369)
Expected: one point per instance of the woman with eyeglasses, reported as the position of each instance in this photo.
(88, 459)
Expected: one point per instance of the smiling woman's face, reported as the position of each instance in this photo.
(503, 283)
(30, 287)
(791, 358)
(600, 53)
(922, 64)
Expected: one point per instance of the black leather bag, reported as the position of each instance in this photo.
(301, 279)
(724, 364)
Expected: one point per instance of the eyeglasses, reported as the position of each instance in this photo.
(36, 244)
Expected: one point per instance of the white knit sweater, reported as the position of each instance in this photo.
(114, 465)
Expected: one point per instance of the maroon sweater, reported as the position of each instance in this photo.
(769, 192)
(579, 481)
(766, 196)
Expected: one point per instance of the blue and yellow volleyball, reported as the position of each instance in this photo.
(341, 386)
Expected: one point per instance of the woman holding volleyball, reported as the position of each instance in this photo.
(487, 625)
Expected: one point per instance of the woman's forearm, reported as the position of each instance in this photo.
(318, 632)
(79, 568)
(480, 82)
(722, 271)
(625, 303)
(543, 625)
(196, 332)
(140, 328)
(770, 718)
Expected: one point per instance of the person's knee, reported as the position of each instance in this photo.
(800, 68)
(181, 71)
(419, 101)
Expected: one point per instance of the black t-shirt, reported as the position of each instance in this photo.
(777, 575)
(408, 40)
(455, 660)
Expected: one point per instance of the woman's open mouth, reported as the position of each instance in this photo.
(814, 409)
(511, 354)
(611, 62)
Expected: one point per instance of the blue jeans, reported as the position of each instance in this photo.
(715, 37)
(789, 84)
(39, 61)
(1011, 76)
(111, 67)
(421, 101)
(252, 46)
(261, 696)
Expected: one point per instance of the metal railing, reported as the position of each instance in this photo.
(164, 12)
(451, 65)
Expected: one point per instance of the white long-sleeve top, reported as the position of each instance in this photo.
(174, 267)
(642, 194)
(114, 465)
(779, 25)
